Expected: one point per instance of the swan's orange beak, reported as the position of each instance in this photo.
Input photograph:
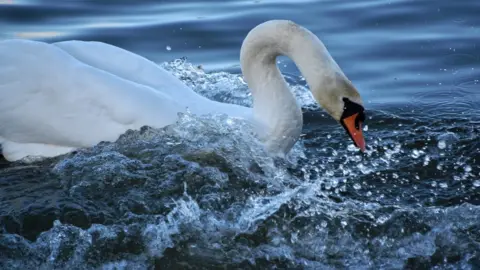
(354, 130)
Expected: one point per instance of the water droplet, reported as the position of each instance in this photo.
(468, 168)
(441, 144)
(344, 223)
(351, 148)
(415, 153)
(169, 48)
(382, 219)
(334, 183)
(329, 136)
(363, 168)
(365, 128)
(357, 186)
(426, 160)
(476, 183)
(448, 139)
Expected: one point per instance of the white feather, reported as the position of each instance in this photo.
(55, 98)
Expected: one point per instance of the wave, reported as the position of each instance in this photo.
(203, 192)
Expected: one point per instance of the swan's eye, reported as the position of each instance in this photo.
(351, 108)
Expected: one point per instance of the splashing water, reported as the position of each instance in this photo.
(204, 193)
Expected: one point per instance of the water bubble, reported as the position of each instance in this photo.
(468, 168)
(294, 237)
(168, 48)
(476, 183)
(329, 173)
(344, 223)
(365, 128)
(364, 169)
(351, 148)
(426, 160)
(324, 224)
(357, 186)
(448, 139)
(415, 153)
(441, 144)
(443, 185)
(382, 219)
(334, 183)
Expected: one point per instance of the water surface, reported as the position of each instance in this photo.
(203, 193)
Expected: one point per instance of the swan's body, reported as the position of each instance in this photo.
(58, 97)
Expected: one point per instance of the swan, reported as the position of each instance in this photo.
(58, 97)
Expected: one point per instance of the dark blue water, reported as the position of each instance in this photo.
(203, 195)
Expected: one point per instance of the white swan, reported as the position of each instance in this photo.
(58, 97)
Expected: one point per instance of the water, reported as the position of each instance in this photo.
(203, 194)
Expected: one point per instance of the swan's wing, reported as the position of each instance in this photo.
(47, 96)
(125, 64)
(135, 68)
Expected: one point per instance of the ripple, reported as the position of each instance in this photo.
(203, 193)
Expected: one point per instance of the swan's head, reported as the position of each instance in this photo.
(328, 84)
(341, 100)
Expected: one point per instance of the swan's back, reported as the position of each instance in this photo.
(49, 97)
(124, 64)
(58, 97)
(135, 68)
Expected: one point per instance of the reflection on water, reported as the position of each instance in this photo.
(37, 35)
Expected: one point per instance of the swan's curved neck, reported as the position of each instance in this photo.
(275, 108)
